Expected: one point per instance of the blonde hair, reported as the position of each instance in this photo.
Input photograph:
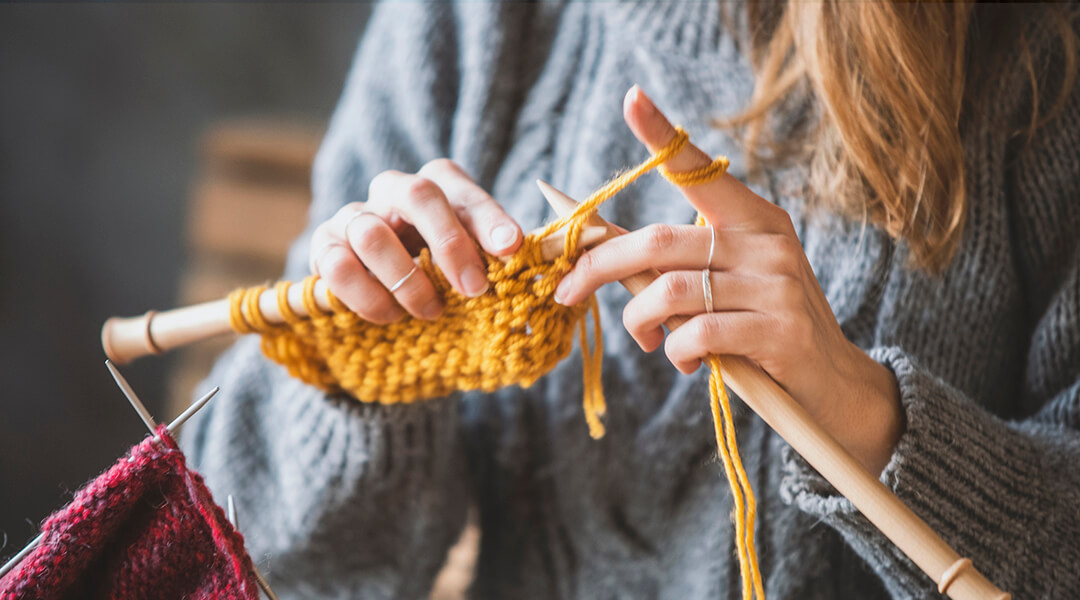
(888, 84)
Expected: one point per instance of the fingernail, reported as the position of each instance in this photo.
(502, 236)
(432, 309)
(474, 281)
(563, 289)
(631, 96)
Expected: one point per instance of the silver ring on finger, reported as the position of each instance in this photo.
(401, 282)
(706, 286)
(706, 273)
(712, 244)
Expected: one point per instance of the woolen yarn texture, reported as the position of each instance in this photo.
(146, 529)
(363, 501)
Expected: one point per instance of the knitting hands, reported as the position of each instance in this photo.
(365, 251)
(768, 304)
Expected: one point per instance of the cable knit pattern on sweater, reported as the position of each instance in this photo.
(363, 501)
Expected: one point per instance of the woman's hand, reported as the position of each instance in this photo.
(768, 305)
(365, 251)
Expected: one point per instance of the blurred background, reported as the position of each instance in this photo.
(132, 140)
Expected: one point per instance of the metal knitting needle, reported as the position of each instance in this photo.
(230, 513)
(9, 565)
(191, 410)
(150, 424)
(144, 414)
(129, 393)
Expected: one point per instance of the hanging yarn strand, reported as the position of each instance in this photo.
(745, 504)
(724, 425)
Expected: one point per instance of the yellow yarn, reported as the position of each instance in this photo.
(513, 334)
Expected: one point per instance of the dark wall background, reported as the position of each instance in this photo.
(101, 107)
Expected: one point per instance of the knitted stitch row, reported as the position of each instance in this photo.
(512, 334)
(146, 529)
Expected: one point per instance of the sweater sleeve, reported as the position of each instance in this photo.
(339, 499)
(1004, 493)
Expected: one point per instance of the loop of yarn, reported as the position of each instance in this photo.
(512, 334)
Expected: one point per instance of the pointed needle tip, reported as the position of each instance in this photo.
(191, 410)
(132, 397)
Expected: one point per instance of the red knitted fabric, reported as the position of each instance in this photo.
(146, 528)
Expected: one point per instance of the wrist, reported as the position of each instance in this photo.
(876, 414)
(888, 422)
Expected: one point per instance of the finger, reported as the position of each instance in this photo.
(739, 333)
(682, 293)
(329, 233)
(675, 247)
(380, 250)
(353, 285)
(724, 201)
(318, 246)
(482, 216)
(419, 201)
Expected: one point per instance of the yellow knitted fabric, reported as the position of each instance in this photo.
(513, 334)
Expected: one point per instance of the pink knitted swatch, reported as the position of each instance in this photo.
(146, 528)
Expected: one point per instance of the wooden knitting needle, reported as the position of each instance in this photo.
(126, 338)
(230, 513)
(955, 575)
(144, 414)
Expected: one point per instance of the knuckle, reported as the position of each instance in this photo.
(786, 255)
(479, 203)
(335, 266)
(379, 182)
(781, 219)
(789, 247)
(789, 291)
(422, 191)
(452, 243)
(705, 328)
(368, 235)
(320, 235)
(795, 328)
(659, 237)
(439, 165)
(675, 286)
(586, 266)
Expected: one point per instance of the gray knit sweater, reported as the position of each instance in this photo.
(353, 501)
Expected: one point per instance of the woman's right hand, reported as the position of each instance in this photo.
(367, 248)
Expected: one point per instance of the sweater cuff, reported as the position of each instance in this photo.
(971, 477)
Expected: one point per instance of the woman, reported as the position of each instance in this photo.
(906, 264)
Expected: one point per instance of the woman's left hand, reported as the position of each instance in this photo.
(767, 303)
